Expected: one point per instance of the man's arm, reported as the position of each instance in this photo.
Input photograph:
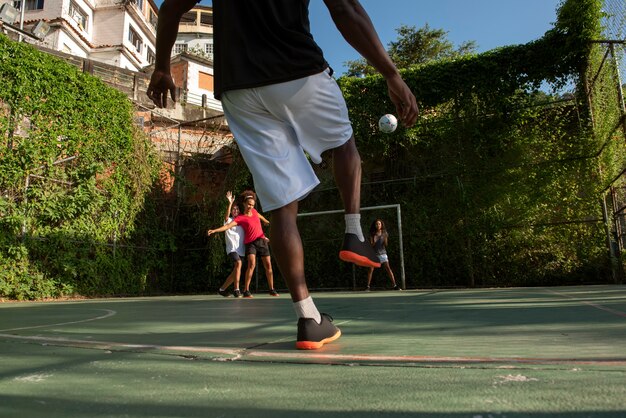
(357, 29)
(161, 82)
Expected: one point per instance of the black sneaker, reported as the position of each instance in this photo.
(247, 294)
(312, 335)
(358, 252)
(367, 289)
(273, 292)
(396, 287)
(237, 293)
(224, 293)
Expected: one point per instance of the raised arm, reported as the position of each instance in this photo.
(161, 82)
(231, 199)
(357, 29)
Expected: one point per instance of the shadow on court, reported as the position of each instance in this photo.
(533, 352)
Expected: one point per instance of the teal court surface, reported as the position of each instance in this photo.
(478, 353)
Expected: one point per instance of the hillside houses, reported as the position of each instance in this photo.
(115, 41)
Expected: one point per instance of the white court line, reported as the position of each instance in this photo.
(295, 355)
(109, 313)
(593, 305)
(109, 345)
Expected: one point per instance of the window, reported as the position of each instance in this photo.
(205, 81)
(180, 48)
(29, 4)
(189, 18)
(208, 50)
(206, 19)
(139, 4)
(151, 56)
(135, 39)
(78, 16)
(153, 19)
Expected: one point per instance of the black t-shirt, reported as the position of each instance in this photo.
(262, 42)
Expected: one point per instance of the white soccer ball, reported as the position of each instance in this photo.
(387, 123)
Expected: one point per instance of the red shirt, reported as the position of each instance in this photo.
(251, 226)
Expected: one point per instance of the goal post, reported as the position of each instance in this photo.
(370, 208)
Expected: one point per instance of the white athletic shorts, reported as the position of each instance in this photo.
(277, 126)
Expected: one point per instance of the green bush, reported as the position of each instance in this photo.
(75, 173)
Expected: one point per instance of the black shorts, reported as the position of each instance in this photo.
(258, 247)
(234, 256)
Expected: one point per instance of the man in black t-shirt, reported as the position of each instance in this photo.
(283, 107)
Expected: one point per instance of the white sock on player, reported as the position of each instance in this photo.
(353, 225)
(307, 309)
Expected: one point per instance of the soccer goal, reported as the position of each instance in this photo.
(379, 208)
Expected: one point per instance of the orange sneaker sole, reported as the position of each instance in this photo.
(359, 260)
(314, 345)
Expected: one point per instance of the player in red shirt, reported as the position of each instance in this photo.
(255, 241)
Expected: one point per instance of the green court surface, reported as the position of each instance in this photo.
(523, 352)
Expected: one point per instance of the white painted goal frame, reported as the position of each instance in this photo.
(399, 219)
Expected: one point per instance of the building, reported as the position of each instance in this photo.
(122, 33)
(195, 33)
(193, 75)
(192, 59)
(117, 32)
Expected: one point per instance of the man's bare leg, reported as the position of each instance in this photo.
(314, 329)
(287, 250)
(347, 172)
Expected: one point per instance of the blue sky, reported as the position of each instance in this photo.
(490, 23)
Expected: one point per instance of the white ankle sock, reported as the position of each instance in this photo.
(307, 309)
(353, 225)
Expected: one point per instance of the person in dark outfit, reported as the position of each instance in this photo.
(378, 239)
(283, 105)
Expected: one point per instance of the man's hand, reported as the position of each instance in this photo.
(356, 27)
(161, 83)
(404, 100)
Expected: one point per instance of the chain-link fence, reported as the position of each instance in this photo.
(614, 21)
(614, 30)
(612, 71)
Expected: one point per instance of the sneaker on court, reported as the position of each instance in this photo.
(312, 335)
(273, 292)
(224, 293)
(367, 289)
(358, 252)
(237, 293)
(247, 294)
(396, 287)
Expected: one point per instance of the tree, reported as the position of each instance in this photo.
(415, 46)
